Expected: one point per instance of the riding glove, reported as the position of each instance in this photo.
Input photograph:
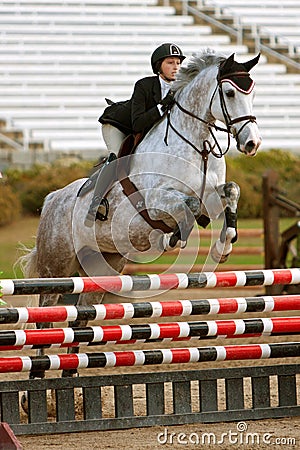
(167, 102)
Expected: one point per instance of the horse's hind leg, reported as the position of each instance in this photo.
(95, 264)
(229, 193)
(45, 300)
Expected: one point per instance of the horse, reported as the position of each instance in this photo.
(179, 174)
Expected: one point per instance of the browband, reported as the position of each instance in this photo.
(239, 88)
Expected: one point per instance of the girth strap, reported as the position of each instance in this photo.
(138, 202)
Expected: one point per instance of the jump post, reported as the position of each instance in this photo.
(210, 386)
(277, 244)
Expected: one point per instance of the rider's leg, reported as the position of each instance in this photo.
(113, 138)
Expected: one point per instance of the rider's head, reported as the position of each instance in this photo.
(166, 60)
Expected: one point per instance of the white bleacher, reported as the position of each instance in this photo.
(279, 21)
(58, 62)
(277, 101)
(255, 3)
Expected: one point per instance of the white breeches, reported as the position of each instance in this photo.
(113, 137)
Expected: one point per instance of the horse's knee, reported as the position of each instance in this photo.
(194, 205)
(232, 194)
(187, 210)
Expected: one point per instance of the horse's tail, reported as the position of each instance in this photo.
(28, 263)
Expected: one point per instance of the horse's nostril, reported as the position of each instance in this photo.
(250, 145)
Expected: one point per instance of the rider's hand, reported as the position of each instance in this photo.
(167, 102)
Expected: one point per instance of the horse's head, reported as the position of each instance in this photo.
(232, 103)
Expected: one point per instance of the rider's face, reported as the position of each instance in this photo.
(169, 68)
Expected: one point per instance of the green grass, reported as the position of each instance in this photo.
(12, 237)
(23, 232)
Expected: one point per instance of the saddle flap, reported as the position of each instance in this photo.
(89, 184)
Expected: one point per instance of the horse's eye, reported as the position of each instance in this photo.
(230, 93)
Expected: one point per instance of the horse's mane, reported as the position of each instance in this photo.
(197, 62)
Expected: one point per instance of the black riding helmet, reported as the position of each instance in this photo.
(164, 51)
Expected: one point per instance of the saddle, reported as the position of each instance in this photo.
(129, 144)
(102, 180)
(127, 148)
(105, 177)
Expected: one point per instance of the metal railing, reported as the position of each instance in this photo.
(12, 143)
(238, 29)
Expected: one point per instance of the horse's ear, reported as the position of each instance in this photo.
(250, 64)
(227, 64)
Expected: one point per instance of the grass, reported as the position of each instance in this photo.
(24, 230)
(12, 237)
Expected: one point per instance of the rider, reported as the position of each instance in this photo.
(150, 99)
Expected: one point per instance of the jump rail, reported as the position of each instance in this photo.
(149, 357)
(151, 332)
(173, 308)
(128, 283)
(123, 413)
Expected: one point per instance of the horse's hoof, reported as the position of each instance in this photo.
(24, 402)
(168, 243)
(215, 255)
(224, 258)
(218, 257)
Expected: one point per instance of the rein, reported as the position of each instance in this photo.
(209, 125)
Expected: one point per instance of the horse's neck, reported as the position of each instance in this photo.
(182, 130)
(196, 98)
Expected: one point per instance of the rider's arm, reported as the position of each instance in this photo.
(145, 110)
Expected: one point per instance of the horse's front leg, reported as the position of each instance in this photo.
(184, 212)
(229, 194)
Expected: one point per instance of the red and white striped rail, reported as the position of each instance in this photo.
(173, 308)
(130, 334)
(128, 283)
(146, 357)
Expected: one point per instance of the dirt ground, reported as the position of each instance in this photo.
(282, 433)
(248, 435)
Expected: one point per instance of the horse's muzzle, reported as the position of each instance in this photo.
(250, 148)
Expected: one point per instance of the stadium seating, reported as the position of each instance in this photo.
(60, 60)
(268, 19)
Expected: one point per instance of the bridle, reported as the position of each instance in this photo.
(132, 192)
(212, 127)
(228, 121)
(207, 147)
